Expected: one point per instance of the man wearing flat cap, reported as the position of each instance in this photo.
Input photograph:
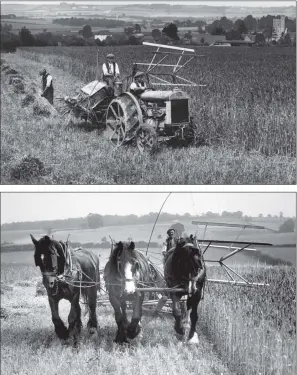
(170, 242)
(110, 70)
(138, 85)
(47, 86)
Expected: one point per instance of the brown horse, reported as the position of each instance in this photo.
(67, 274)
(126, 270)
(185, 268)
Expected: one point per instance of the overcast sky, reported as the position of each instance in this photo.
(210, 3)
(48, 206)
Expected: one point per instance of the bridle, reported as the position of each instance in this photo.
(55, 272)
(122, 279)
(196, 277)
(53, 291)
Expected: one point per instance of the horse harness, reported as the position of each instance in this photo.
(70, 269)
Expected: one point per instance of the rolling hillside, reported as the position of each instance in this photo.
(142, 233)
(233, 144)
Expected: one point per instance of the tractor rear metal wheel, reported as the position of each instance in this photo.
(146, 138)
(123, 117)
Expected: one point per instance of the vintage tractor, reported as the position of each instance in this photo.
(157, 116)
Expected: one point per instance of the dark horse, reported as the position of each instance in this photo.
(126, 270)
(184, 267)
(67, 274)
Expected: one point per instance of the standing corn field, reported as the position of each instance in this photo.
(249, 100)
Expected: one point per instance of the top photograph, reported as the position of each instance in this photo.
(148, 93)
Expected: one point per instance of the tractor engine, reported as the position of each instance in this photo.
(165, 110)
(155, 115)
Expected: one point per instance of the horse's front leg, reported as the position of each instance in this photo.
(60, 329)
(124, 313)
(120, 319)
(74, 318)
(92, 299)
(176, 310)
(135, 327)
(192, 304)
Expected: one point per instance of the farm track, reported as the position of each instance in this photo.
(77, 155)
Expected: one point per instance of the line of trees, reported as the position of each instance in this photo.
(248, 24)
(85, 37)
(93, 22)
(94, 220)
(288, 226)
(223, 26)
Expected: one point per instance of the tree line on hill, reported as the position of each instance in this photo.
(233, 30)
(104, 244)
(248, 24)
(84, 37)
(94, 220)
(93, 22)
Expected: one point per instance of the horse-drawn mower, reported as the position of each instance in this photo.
(156, 116)
(157, 298)
(132, 280)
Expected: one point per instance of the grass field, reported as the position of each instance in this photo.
(246, 119)
(241, 331)
(141, 232)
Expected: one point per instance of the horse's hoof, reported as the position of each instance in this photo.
(121, 342)
(180, 332)
(62, 333)
(133, 332)
(92, 330)
(180, 337)
(66, 342)
(194, 339)
(121, 339)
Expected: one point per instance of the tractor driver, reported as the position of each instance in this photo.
(138, 85)
(170, 242)
(110, 70)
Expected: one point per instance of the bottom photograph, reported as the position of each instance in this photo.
(163, 283)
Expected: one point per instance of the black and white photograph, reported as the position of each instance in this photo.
(148, 92)
(148, 283)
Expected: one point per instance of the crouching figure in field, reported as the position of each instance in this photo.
(184, 268)
(68, 274)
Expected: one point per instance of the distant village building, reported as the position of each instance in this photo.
(278, 27)
(249, 37)
(139, 36)
(101, 37)
(198, 38)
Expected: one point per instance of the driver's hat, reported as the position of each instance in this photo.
(139, 74)
(169, 230)
(110, 56)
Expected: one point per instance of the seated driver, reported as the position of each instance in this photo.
(138, 86)
(170, 242)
